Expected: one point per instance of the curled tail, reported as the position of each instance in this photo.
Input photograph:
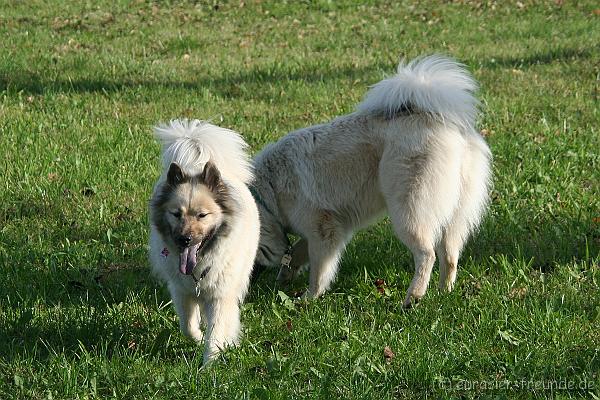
(192, 143)
(435, 85)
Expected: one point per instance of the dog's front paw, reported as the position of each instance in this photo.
(195, 334)
(413, 297)
(410, 301)
(313, 293)
(209, 355)
(446, 286)
(213, 348)
(447, 280)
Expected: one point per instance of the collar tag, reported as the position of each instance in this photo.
(287, 258)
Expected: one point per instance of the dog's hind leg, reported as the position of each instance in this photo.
(420, 242)
(448, 250)
(475, 183)
(454, 236)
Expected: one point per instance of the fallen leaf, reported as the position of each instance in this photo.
(124, 215)
(517, 293)
(137, 324)
(388, 354)
(472, 289)
(380, 285)
(104, 272)
(289, 326)
(596, 11)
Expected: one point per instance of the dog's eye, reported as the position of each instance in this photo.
(176, 214)
(201, 215)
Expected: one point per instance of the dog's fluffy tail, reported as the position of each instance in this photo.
(192, 143)
(436, 86)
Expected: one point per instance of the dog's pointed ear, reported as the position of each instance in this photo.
(175, 176)
(211, 176)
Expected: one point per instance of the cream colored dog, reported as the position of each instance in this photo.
(204, 228)
(410, 148)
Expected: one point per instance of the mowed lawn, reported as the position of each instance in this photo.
(82, 83)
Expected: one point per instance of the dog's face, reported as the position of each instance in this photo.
(188, 210)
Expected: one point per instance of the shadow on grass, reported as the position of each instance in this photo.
(250, 84)
(62, 268)
(542, 246)
(83, 311)
(547, 57)
(92, 314)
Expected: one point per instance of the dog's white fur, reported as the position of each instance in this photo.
(214, 300)
(410, 148)
(192, 143)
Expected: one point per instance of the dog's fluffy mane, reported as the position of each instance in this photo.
(192, 143)
(435, 85)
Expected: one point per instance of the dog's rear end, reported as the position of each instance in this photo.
(435, 170)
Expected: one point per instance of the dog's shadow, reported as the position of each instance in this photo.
(103, 309)
(375, 252)
(86, 294)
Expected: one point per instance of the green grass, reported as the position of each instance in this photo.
(82, 84)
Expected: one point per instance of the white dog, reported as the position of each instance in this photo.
(204, 228)
(410, 148)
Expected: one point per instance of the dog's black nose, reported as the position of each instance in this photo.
(184, 240)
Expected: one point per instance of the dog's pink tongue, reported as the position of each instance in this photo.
(187, 259)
